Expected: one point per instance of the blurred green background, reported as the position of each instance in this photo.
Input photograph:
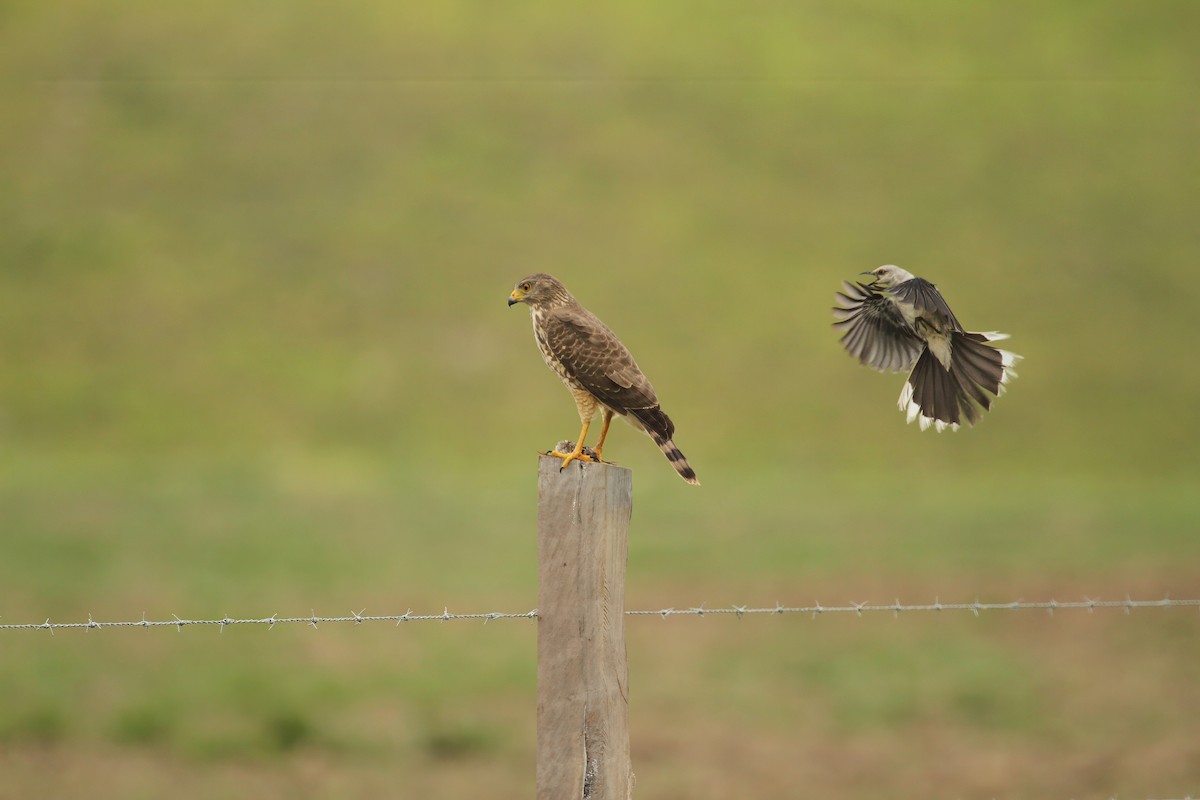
(255, 358)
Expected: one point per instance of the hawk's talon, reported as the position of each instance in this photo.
(567, 458)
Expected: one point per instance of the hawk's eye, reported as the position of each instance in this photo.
(525, 287)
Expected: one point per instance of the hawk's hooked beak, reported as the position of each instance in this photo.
(515, 297)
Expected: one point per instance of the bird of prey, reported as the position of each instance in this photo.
(596, 367)
(898, 321)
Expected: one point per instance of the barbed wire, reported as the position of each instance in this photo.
(859, 609)
(313, 619)
(896, 608)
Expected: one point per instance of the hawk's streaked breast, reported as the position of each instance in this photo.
(539, 335)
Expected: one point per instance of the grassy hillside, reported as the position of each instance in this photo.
(256, 359)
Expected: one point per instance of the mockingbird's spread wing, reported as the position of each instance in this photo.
(874, 330)
(927, 302)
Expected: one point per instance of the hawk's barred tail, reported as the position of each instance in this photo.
(675, 456)
(660, 428)
(945, 398)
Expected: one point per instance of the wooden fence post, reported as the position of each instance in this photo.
(583, 676)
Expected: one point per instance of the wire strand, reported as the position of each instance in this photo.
(859, 609)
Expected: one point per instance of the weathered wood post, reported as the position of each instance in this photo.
(583, 676)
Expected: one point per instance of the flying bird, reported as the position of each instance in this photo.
(898, 321)
(596, 367)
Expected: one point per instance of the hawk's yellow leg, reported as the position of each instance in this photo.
(577, 453)
(598, 449)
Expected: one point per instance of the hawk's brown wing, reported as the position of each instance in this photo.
(594, 357)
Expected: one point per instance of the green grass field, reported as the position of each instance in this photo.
(255, 358)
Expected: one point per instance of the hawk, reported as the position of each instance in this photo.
(597, 369)
(898, 320)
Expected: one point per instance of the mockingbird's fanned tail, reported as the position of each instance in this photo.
(945, 398)
(899, 321)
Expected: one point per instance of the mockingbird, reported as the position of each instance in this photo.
(897, 320)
